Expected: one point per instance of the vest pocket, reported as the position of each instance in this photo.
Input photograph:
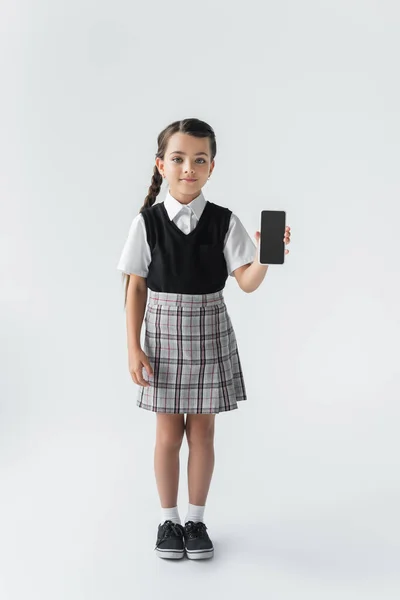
(211, 266)
(210, 250)
(209, 257)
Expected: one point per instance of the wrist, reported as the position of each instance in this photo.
(134, 347)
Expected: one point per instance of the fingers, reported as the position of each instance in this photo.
(141, 380)
(136, 365)
(137, 376)
(148, 368)
(134, 378)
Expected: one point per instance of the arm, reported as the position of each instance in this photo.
(134, 261)
(250, 277)
(135, 309)
(239, 250)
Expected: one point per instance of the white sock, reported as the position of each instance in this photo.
(195, 513)
(171, 514)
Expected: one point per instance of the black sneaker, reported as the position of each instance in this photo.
(197, 542)
(169, 542)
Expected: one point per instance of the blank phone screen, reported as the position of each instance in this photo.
(272, 246)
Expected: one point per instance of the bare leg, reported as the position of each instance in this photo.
(200, 437)
(169, 434)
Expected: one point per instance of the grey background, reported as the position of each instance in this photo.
(304, 99)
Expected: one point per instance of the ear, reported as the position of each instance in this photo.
(160, 164)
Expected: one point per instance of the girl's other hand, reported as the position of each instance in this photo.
(138, 360)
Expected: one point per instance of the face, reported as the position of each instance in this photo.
(186, 157)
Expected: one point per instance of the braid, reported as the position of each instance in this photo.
(154, 189)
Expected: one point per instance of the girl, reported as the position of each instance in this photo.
(176, 259)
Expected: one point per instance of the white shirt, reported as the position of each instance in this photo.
(239, 248)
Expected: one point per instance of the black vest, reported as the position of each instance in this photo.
(191, 263)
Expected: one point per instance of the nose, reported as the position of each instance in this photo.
(188, 167)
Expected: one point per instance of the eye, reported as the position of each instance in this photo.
(179, 158)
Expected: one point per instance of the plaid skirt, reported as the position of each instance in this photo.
(191, 346)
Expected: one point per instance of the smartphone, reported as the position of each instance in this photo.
(272, 246)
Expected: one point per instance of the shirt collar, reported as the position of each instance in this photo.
(173, 207)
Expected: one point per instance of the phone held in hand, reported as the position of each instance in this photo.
(271, 247)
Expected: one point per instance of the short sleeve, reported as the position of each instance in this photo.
(136, 255)
(239, 248)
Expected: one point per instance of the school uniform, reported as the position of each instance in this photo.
(186, 254)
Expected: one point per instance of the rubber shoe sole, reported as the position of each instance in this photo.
(199, 554)
(174, 554)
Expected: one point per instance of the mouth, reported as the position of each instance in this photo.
(189, 180)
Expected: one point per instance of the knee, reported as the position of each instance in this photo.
(170, 440)
(200, 434)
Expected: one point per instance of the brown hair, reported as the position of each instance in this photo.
(193, 127)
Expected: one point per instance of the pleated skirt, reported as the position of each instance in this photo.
(191, 345)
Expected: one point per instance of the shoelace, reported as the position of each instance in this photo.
(169, 528)
(195, 530)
